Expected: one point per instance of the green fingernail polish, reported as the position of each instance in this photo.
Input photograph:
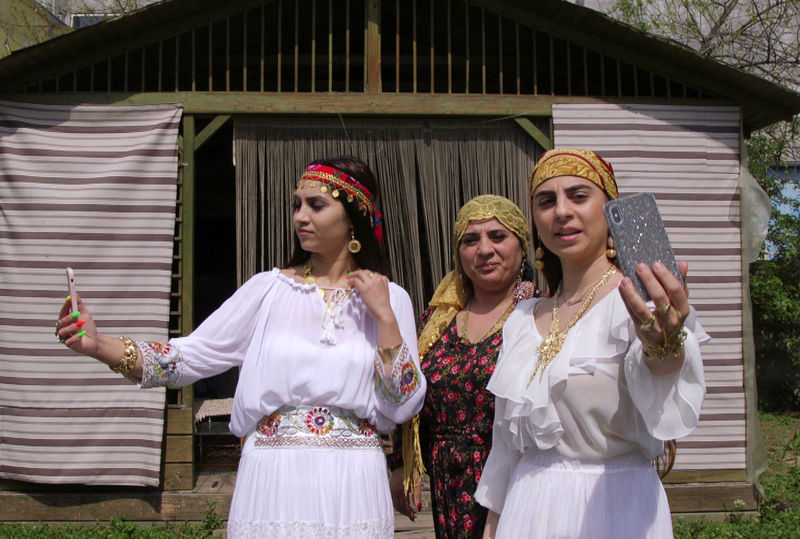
(81, 334)
(76, 314)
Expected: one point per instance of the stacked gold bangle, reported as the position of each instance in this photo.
(128, 361)
(387, 355)
(670, 349)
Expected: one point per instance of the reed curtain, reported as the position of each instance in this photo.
(92, 187)
(426, 171)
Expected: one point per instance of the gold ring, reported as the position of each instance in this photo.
(647, 324)
(664, 310)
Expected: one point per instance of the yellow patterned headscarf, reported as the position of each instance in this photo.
(574, 162)
(486, 207)
(450, 297)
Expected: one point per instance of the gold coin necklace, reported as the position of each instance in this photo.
(551, 346)
(495, 327)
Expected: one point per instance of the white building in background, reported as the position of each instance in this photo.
(81, 13)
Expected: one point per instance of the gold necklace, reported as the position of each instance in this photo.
(496, 326)
(551, 346)
(333, 299)
(307, 273)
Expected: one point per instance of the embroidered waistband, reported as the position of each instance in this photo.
(315, 426)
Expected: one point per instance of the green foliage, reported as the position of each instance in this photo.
(775, 276)
(118, 529)
(779, 513)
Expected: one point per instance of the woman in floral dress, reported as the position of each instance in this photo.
(460, 338)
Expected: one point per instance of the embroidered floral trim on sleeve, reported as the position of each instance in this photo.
(160, 363)
(401, 383)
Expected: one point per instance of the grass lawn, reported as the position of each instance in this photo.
(779, 514)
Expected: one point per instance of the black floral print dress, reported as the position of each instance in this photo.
(456, 428)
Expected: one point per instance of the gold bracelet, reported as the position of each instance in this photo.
(388, 354)
(128, 361)
(671, 348)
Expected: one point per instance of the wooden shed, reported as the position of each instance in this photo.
(445, 99)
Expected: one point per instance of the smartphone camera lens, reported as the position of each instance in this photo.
(616, 215)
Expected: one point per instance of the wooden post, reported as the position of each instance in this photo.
(373, 52)
(178, 447)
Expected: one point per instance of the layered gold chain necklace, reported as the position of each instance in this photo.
(551, 346)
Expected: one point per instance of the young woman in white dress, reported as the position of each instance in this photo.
(328, 357)
(592, 380)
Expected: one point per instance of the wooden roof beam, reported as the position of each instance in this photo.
(356, 103)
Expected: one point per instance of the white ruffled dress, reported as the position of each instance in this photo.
(571, 452)
(294, 352)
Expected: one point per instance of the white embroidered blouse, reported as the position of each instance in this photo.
(294, 351)
(596, 400)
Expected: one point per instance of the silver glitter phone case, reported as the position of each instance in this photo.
(639, 236)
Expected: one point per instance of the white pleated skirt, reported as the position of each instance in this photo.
(311, 492)
(551, 496)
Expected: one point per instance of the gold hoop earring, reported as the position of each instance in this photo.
(353, 245)
(610, 252)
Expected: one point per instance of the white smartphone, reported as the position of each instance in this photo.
(71, 286)
(639, 236)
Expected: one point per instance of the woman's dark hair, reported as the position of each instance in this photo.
(552, 265)
(371, 256)
(664, 462)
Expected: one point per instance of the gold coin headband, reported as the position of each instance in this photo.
(574, 162)
(348, 188)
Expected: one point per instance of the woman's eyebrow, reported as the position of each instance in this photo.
(575, 188)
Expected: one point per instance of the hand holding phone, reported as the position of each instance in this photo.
(71, 287)
(639, 237)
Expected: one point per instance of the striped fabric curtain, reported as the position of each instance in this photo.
(688, 156)
(426, 170)
(91, 187)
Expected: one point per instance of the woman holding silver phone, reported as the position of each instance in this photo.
(328, 357)
(592, 380)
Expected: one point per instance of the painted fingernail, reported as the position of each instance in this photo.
(419, 506)
(81, 334)
(625, 283)
(68, 298)
(80, 323)
(76, 314)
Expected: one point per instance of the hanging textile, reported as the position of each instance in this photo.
(426, 170)
(688, 156)
(91, 187)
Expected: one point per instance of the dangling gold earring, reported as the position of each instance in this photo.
(353, 245)
(610, 252)
(539, 254)
(523, 289)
